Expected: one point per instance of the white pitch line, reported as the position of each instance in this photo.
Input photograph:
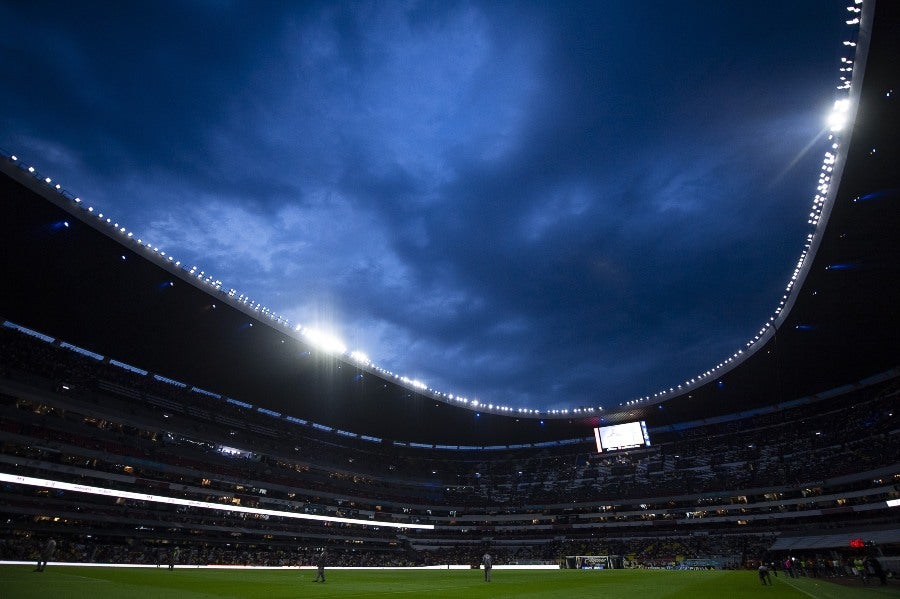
(392, 593)
(796, 588)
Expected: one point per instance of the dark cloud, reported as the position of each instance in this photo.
(535, 204)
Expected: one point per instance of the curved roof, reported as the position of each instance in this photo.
(89, 285)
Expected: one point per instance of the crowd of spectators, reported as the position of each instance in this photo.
(636, 552)
(68, 416)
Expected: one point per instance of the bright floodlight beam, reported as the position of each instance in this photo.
(360, 357)
(91, 490)
(325, 341)
(837, 120)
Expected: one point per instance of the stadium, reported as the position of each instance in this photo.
(152, 415)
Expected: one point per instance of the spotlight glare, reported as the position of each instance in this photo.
(837, 120)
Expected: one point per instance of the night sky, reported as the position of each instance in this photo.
(536, 204)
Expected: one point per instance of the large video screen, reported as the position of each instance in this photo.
(622, 436)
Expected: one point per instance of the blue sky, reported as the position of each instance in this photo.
(529, 203)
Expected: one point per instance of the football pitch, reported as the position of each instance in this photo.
(67, 582)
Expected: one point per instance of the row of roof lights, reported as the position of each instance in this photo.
(334, 346)
(319, 339)
(836, 122)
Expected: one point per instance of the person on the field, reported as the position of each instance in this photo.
(789, 567)
(487, 564)
(173, 557)
(875, 569)
(859, 567)
(46, 554)
(764, 577)
(320, 567)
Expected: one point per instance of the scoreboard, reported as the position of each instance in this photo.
(622, 436)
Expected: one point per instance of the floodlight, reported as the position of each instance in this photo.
(325, 341)
(837, 120)
(360, 357)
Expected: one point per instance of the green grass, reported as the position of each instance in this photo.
(61, 582)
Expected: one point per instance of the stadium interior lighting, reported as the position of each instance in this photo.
(207, 505)
(360, 357)
(837, 120)
(324, 341)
